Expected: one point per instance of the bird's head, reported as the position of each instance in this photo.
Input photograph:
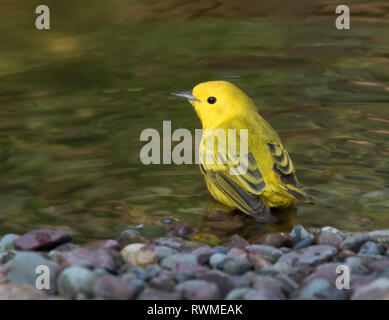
(217, 101)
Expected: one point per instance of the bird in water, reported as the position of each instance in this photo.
(266, 179)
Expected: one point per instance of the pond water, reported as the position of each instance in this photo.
(74, 100)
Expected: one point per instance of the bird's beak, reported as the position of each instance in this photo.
(186, 94)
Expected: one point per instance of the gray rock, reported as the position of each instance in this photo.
(223, 281)
(376, 290)
(162, 252)
(164, 281)
(368, 258)
(170, 261)
(381, 236)
(198, 290)
(109, 287)
(288, 285)
(203, 254)
(354, 241)
(314, 289)
(237, 266)
(300, 237)
(12, 291)
(272, 254)
(217, 260)
(330, 236)
(310, 256)
(221, 249)
(42, 239)
(75, 280)
(7, 242)
(265, 288)
(372, 248)
(153, 294)
(237, 294)
(22, 269)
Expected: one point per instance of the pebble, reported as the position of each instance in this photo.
(182, 230)
(75, 280)
(276, 240)
(12, 291)
(103, 244)
(217, 260)
(270, 253)
(21, 269)
(203, 254)
(376, 290)
(153, 294)
(354, 242)
(258, 260)
(300, 237)
(170, 261)
(380, 265)
(163, 281)
(310, 256)
(370, 247)
(221, 249)
(233, 266)
(238, 242)
(237, 294)
(109, 287)
(7, 242)
(138, 254)
(223, 281)
(162, 252)
(314, 288)
(381, 236)
(330, 236)
(265, 288)
(42, 239)
(100, 258)
(198, 290)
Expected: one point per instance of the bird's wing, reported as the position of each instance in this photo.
(283, 166)
(240, 180)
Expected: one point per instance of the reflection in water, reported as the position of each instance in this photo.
(74, 100)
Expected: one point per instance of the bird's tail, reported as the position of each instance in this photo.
(300, 195)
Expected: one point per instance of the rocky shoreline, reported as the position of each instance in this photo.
(299, 265)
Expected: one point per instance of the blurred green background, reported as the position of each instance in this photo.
(74, 99)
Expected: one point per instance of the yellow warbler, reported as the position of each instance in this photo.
(268, 179)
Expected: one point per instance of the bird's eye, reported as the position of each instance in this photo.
(211, 100)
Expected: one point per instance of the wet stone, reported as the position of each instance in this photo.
(381, 236)
(7, 242)
(310, 256)
(372, 248)
(110, 287)
(375, 290)
(163, 252)
(103, 244)
(330, 236)
(203, 254)
(233, 266)
(300, 237)
(163, 281)
(170, 261)
(217, 260)
(153, 294)
(237, 294)
(354, 242)
(21, 269)
(41, 239)
(270, 253)
(12, 291)
(276, 240)
(182, 230)
(237, 242)
(101, 258)
(198, 290)
(223, 281)
(75, 280)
